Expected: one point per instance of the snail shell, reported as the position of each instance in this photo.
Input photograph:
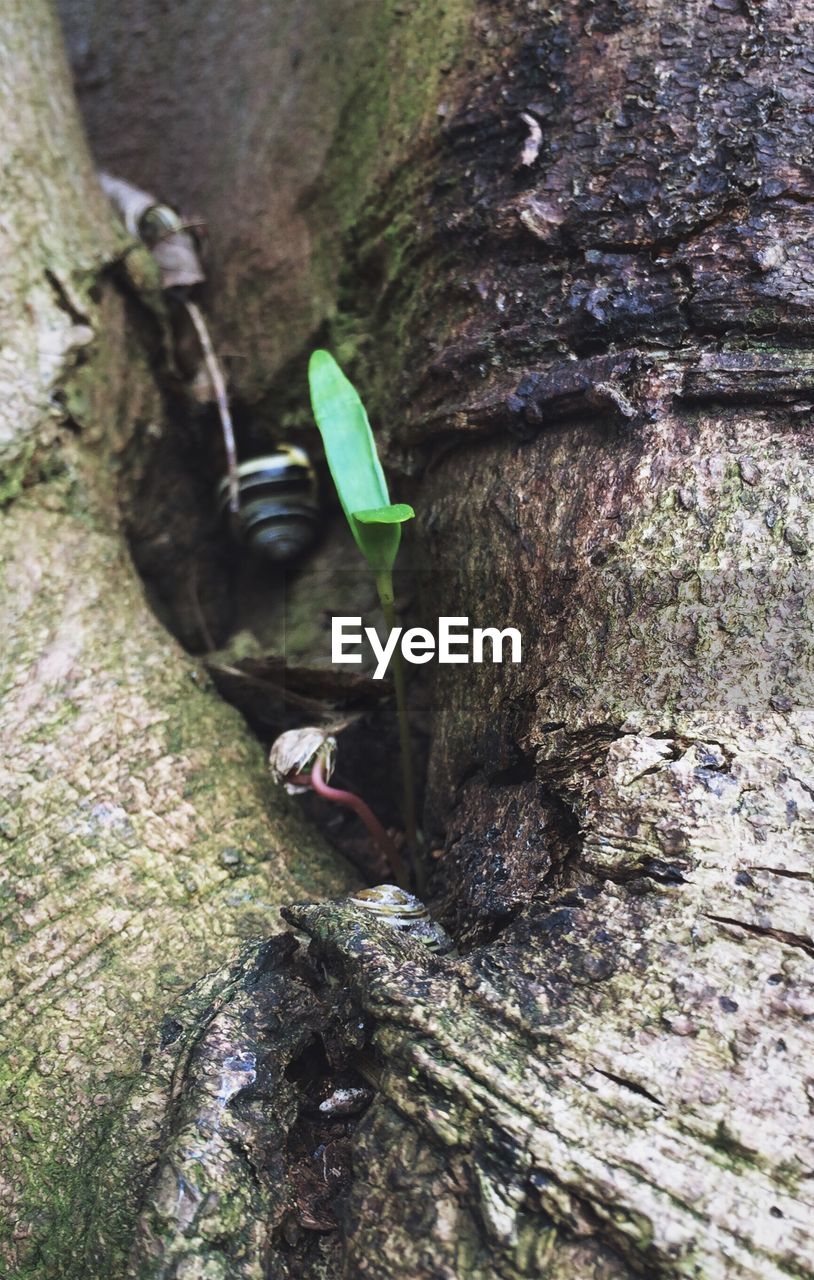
(279, 509)
(173, 247)
(160, 228)
(157, 223)
(401, 910)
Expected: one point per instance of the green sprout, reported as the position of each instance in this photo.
(374, 521)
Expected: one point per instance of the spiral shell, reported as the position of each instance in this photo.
(279, 510)
(161, 229)
(401, 910)
(157, 223)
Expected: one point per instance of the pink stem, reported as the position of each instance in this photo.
(357, 804)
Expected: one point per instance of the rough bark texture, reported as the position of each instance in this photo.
(141, 840)
(603, 355)
(663, 540)
(655, 550)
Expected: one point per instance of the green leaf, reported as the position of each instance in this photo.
(397, 513)
(350, 451)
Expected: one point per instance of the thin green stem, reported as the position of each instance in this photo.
(384, 586)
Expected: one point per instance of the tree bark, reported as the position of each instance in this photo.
(142, 842)
(570, 269)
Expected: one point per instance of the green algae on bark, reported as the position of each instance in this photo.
(124, 777)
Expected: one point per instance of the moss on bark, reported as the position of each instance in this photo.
(141, 840)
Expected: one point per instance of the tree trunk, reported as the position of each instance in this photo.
(566, 256)
(142, 840)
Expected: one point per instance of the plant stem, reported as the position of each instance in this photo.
(351, 801)
(384, 586)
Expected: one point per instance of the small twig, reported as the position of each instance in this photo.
(219, 387)
(316, 780)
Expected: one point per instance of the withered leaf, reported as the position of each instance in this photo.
(279, 697)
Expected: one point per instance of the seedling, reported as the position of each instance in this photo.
(374, 521)
(381, 840)
(304, 758)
